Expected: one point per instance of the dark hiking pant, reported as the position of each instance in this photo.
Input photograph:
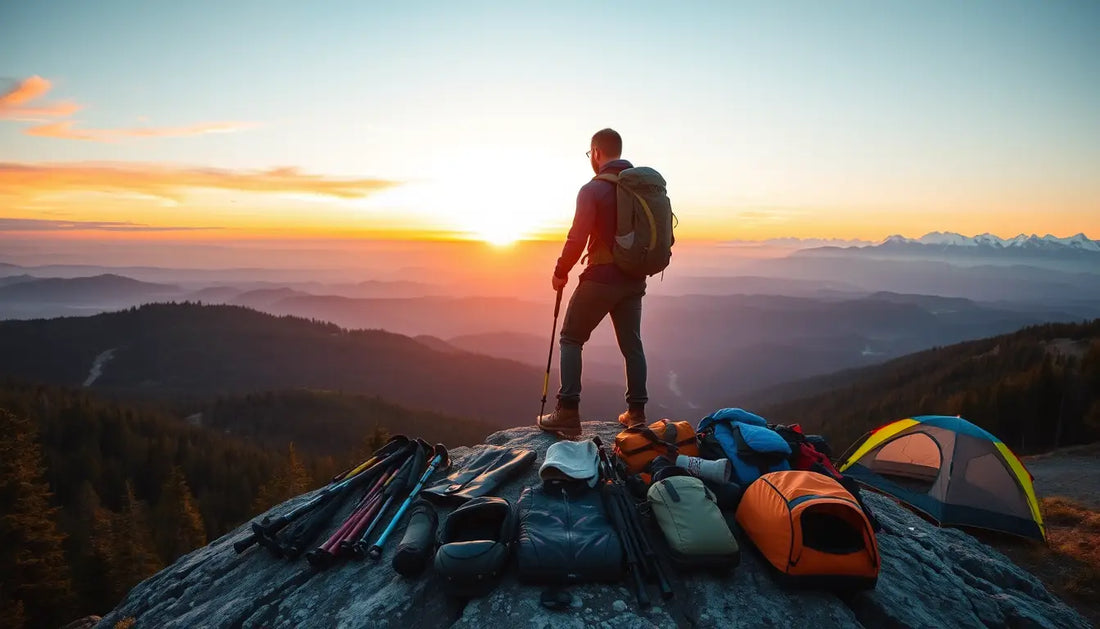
(590, 303)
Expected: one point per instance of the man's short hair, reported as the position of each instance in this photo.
(609, 142)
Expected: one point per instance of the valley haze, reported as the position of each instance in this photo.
(727, 319)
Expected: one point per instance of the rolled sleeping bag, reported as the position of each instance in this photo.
(417, 547)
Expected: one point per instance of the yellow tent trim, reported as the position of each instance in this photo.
(1025, 482)
(876, 439)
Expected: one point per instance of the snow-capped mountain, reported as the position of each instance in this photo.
(799, 243)
(1078, 242)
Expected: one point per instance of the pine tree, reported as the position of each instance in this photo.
(34, 573)
(125, 545)
(179, 526)
(377, 438)
(298, 477)
(289, 480)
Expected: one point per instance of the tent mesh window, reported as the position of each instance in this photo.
(911, 460)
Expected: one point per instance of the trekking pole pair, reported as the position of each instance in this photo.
(642, 561)
(403, 486)
(325, 554)
(269, 527)
(306, 531)
(441, 459)
(370, 509)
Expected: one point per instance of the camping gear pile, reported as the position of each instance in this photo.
(786, 498)
(665, 495)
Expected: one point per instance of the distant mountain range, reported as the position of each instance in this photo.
(1024, 247)
(106, 289)
(1078, 242)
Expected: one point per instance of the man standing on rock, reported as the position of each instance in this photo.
(604, 289)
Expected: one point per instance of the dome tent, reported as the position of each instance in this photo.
(951, 470)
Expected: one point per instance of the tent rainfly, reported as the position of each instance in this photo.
(951, 470)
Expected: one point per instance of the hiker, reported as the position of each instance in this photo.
(603, 289)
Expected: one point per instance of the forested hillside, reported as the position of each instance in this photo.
(166, 351)
(1036, 389)
(98, 495)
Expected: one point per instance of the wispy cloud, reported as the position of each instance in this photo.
(169, 181)
(35, 224)
(65, 130)
(24, 103)
(15, 104)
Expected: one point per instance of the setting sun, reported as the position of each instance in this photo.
(499, 235)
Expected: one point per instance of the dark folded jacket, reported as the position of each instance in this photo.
(481, 474)
(565, 536)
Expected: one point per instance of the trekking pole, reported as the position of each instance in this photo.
(649, 559)
(307, 530)
(360, 547)
(614, 507)
(440, 458)
(322, 556)
(264, 531)
(269, 527)
(395, 443)
(550, 357)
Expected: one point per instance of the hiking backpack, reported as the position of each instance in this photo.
(644, 220)
(693, 525)
(811, 530)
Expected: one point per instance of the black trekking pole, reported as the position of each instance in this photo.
(269, 527)
(440, 459)
(324, 555)
(310, 527)
(401, 485)
(614, 507)
(550, 357)
(637, 533)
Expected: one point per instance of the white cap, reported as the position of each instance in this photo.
(572, 459)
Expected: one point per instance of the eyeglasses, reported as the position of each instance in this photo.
(588, 153)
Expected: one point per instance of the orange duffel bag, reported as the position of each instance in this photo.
(639, 445)
(810, 529)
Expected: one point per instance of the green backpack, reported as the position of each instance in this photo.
(695, 529)
(643, 234)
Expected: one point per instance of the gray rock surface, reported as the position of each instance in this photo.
(930, 577)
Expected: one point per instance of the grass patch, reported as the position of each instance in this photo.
(1072, 529)
(1069, 563)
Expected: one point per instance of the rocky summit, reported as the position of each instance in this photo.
(930, 577)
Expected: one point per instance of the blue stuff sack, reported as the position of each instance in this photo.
(752, 448)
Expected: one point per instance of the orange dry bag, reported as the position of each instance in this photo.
(640, 445)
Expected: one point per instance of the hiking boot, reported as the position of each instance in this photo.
(634, 416)
(563, 421)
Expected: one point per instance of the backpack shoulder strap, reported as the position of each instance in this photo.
(608, 177)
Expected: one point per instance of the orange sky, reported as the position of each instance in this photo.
(795, 120)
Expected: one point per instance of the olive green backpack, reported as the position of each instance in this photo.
(643, 234)
(694, 527)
